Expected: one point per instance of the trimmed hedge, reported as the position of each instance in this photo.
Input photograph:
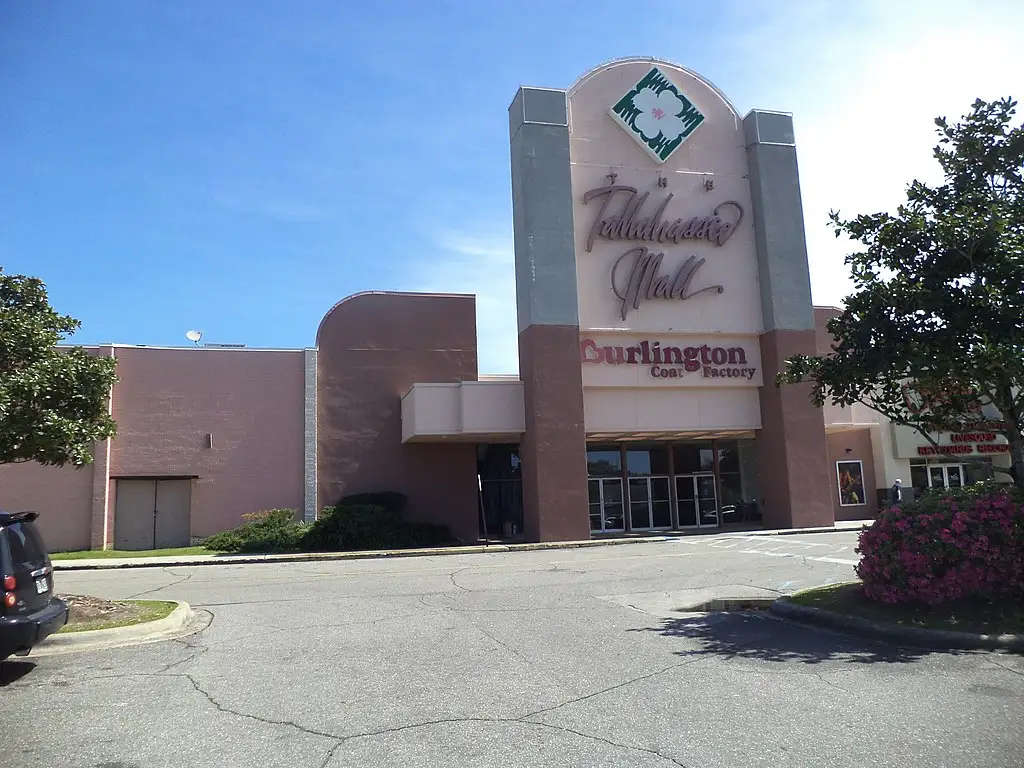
(369, 526)
(945, 546)
(363, 521)
(392, 501)
(274, 530)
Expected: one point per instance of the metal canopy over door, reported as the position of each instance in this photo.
(152, 514)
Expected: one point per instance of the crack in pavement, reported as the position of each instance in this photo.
(342, 739)
(165, 586)
(502, 643)
(453, 574)
(1005, 668)
(196, 643)
(330, 753)
(507, 720)
(828, 682)
(611, 688)
(265, 720)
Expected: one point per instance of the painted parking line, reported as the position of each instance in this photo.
(834, 560)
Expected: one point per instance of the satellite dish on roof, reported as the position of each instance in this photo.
(194, 336)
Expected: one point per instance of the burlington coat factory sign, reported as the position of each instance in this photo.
(681, 362)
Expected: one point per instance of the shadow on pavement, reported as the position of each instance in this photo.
(13, 671)
(750, 636)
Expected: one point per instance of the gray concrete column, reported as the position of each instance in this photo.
(553, 449)
(309, 506)
(792, 451)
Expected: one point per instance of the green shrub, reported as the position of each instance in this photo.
(368, 526)
(274, 530)
(392, 501)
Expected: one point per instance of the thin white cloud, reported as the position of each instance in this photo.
(481, 263)
(865, 87)
(864, 82)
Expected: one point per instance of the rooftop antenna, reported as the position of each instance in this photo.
(194, 336)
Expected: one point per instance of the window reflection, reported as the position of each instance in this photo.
(693, 457)
(604, 461)
(645, 461)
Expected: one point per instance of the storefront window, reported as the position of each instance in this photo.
(919, 478)
(942, 475)
(689, 458)
(728, 456)
(978, 472)
(604, 461)
(644, 461)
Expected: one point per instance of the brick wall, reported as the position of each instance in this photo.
(167, 403)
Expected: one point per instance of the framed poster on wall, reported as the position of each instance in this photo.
(851, 483)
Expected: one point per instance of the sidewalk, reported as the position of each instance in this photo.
(194, 560)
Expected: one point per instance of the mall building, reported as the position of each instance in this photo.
(661, 282)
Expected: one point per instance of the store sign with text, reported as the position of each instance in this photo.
(683, 361)
(641, 273)
(955, 445)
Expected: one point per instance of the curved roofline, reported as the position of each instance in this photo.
(652, 60)
(360, 294)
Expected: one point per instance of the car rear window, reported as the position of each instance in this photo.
(25, 544)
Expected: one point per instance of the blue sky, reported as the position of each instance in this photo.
(239, 166)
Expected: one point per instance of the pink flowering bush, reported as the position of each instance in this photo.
(946, 547)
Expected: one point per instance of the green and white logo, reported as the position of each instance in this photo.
(657, 115)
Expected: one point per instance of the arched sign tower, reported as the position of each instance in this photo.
(661, 281)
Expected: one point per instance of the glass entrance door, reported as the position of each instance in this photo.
(606, 507)
(649, 504)
(697, 501)
(945, 475)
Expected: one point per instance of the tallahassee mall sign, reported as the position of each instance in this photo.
(636, 273)
(672, 362)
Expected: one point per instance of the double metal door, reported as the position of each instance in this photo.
(697, 500)
(649, 503)
(606, 504)
(945, 475)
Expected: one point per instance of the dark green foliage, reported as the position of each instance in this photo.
(369, 526)
(53, 400)
(392, 501)
(932, 336)
(346, 527)
(274, 530)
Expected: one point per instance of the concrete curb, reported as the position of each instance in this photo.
(95, 639)
(156, 562)
(478, 549)
(937, 639)
(854, 528)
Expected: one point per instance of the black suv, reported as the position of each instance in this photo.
(29, 612)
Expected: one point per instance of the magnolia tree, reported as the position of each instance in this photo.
(53, 400)
(932, 336)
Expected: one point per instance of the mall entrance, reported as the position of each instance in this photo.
(669, 485)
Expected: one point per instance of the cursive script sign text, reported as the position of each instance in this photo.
(645, 282)
(629, 223)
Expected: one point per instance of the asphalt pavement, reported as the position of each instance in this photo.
(584, 657)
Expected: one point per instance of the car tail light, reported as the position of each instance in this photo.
(10, 583)
(10, 599)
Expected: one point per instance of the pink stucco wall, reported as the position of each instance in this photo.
(62, 497)
(251, 401)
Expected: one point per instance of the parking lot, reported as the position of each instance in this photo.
(583, 657)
